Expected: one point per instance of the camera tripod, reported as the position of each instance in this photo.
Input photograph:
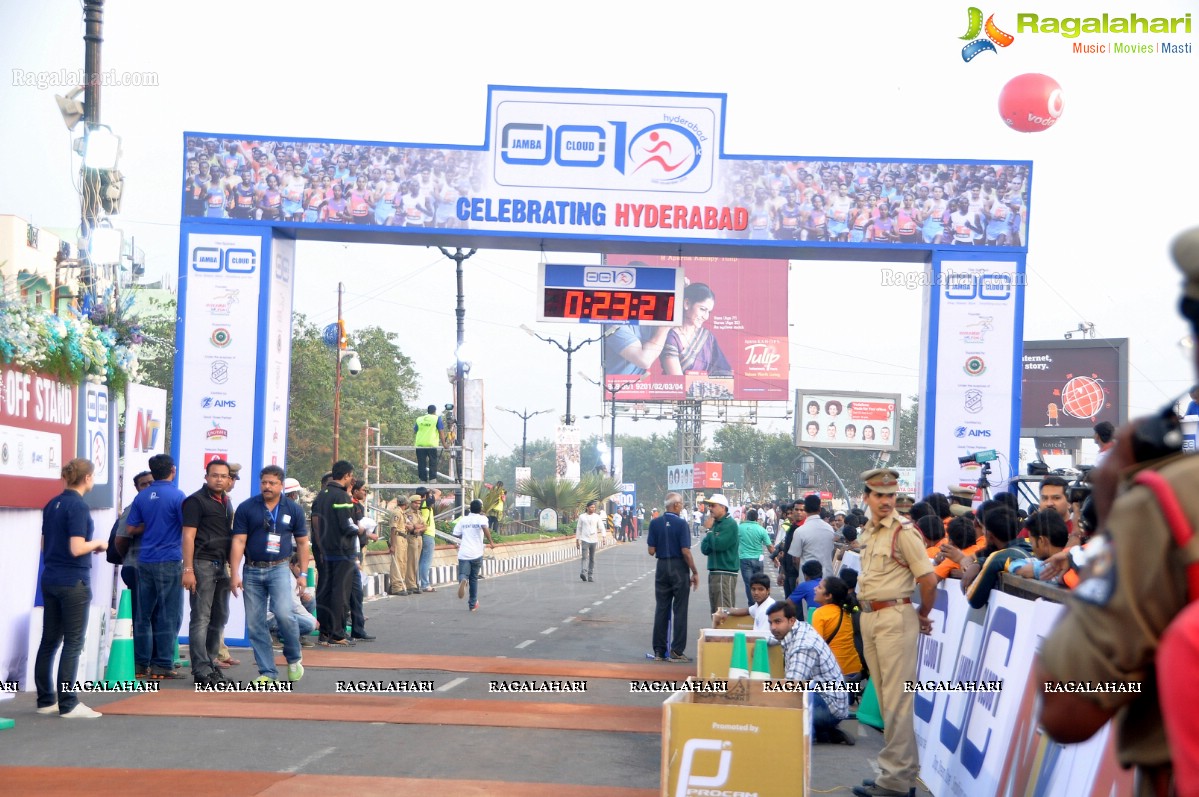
(984, 481)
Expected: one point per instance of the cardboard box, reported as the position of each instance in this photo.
(728, 742)
(737, 622)
(716, 651)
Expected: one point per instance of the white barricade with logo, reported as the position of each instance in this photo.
(986, 742)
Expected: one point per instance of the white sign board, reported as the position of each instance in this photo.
(680, 477)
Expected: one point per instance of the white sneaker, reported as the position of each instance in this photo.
(295, 671)
(50, 709)
(81, 712)
(461, 589)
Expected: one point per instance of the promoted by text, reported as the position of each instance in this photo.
(536, 686)
(379, 687)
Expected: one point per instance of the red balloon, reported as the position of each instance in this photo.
(1031, 103)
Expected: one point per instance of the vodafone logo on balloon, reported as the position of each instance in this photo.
(1031, 103)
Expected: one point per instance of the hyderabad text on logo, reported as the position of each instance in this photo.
(975, 26)
(975, 365)
(221, 337)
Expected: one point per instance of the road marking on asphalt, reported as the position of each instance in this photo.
(568, 620)
(598, 603)
(550, 630)
(585, 610)
(448, 685)
(526, 643)
(608, 597)
(303, 762)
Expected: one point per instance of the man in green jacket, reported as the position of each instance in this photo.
(720, 545)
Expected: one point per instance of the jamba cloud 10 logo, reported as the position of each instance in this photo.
(994, 36)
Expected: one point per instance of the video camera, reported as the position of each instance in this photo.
(979, 457)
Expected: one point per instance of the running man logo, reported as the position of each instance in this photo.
(693, 784)
(994, 36)
(145, 433)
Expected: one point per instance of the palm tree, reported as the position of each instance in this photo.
(567, 496)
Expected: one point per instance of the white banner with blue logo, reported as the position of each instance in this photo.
(971, 402)
(216, 365)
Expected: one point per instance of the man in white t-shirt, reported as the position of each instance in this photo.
(587, 531)
(759, 590)
(473, 529)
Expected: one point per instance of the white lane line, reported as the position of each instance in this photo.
(598, 603)
(525, 644)
(303, 762)
(608, 597)
(550, 630)
(584, 610)
(448, 685)
(568, 620)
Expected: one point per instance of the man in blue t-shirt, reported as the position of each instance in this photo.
(266, 528)
(669, 540)
(156, 518)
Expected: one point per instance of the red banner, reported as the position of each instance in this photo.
(37, 436)
(732, 343)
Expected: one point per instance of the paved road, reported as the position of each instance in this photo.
(532, 619)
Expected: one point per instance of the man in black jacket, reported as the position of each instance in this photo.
(333, 523)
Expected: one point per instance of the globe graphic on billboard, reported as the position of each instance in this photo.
(1082, 397)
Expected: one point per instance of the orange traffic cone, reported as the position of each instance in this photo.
(120, 655)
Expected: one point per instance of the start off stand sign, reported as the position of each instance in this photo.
(37, 436)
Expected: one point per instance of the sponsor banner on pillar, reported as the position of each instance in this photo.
(97, 430)
(566, 463)
(937, 657)
(680, 477)
(277, 364)
(628, 496)
(145, 432)
(218, 363)
(732, 343)
(521, 475)
(975, 369)
(472, 421)
(37, 436)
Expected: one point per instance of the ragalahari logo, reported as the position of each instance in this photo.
(994, 36)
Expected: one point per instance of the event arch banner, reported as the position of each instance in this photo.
(628, 173)
(610, 165)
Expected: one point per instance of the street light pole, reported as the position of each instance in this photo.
(93, 21)
(459, 257)
(612, 390)
(570, 350)
(524, 433)
(341, 344)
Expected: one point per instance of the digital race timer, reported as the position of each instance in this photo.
(634, 294)
(609, 305)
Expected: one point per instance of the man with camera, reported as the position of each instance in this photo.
(1134, 584)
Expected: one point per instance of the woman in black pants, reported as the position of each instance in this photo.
(66, 591)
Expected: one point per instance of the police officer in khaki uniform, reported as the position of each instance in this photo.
(961, 499)
(904, 504)
(1134, 584)
(893, 563)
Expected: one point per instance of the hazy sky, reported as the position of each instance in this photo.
(1113, 180)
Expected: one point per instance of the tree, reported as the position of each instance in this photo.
(381, 395)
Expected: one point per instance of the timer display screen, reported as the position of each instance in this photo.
(590, 304)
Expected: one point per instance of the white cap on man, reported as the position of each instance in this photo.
(290, 486)
(717, 498)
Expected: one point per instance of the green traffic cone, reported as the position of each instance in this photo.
(868, 710)
(120, 668)
(739, 664)
(761, 668)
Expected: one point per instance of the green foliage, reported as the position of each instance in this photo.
(157, 356)
(565, 497)
(381, 395)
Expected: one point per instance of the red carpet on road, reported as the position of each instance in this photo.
(53, 781)
(549, 668)
(395, 710)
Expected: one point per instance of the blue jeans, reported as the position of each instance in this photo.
(209, 613)
(63, 621)
(159, 611)
(427, 544)
(469, 570)
(750, 568)
(140, 657)
(305, 623)
(273, 583)
(822, 718)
